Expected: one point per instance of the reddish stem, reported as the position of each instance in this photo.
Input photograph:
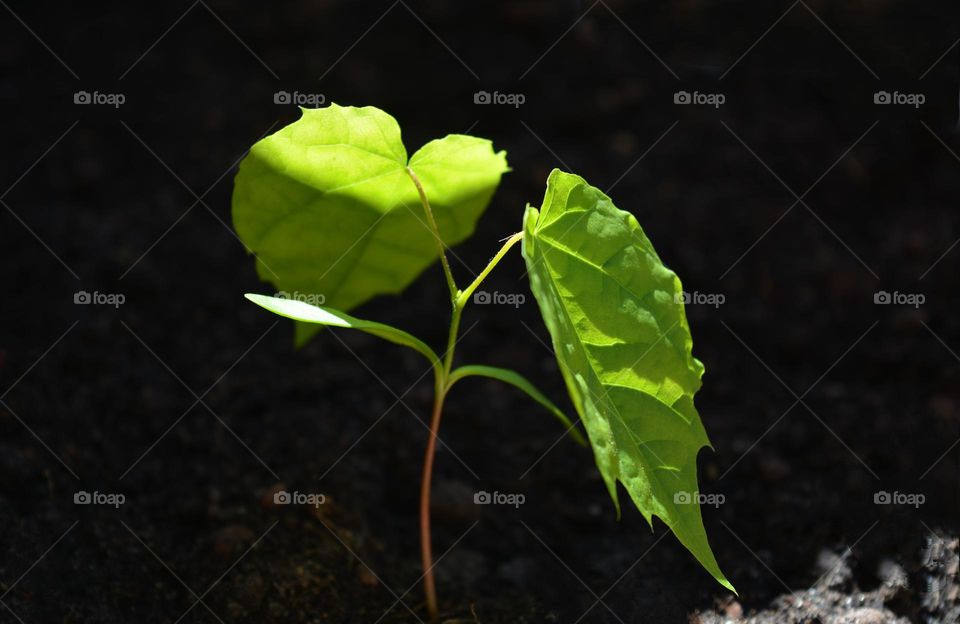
(426, 551)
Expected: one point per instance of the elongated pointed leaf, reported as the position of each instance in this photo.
(519, 381)
(306, 313)
(620, 334)
(329, 208)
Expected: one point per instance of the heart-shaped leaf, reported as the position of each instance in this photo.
(620, 334)
(329, 208)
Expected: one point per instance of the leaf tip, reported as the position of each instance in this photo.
(729, 586)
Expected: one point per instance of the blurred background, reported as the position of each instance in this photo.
(796, 164)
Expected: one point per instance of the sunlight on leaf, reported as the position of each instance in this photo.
(327, 205)
(621, 338)
(306, 313)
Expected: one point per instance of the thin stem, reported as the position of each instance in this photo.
(451, 342)
(442, 384)
(442, 377)
(426, 550)
(454, 291)
(465, 295)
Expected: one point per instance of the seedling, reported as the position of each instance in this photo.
(335, 211)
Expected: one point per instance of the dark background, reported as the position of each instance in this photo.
(207, 392)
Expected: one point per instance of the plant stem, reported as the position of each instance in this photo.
(442, 385)
(426, 552)
(451, 342)
(465, 295)
(454, 291)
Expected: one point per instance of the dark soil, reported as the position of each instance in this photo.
(191, 403)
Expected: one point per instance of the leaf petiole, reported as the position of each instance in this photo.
(454, 291)
(464, 296)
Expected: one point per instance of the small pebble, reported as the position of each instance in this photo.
(733, 610)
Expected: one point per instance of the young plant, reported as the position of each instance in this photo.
(332, 206)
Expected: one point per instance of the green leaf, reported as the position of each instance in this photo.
(620, 334)
(329, 208)
(519, 381)
(306, 313)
